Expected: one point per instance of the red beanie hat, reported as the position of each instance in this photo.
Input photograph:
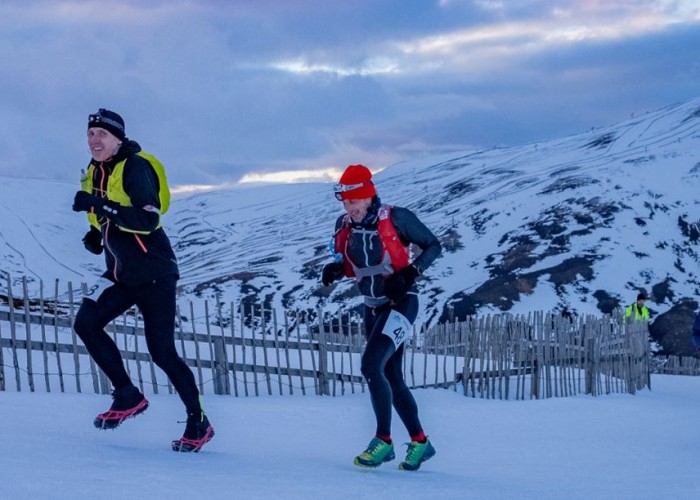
(355, 183)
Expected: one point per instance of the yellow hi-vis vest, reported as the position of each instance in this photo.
(639, 314)
(115, 188)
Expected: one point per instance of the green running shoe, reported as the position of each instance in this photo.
(377, 452)
(417, 454)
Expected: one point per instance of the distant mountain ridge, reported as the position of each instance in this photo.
(580, 223)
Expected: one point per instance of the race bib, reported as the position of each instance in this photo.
(96, 290)
(397, 327)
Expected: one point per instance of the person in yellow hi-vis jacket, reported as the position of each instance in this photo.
(637, 311)
(124, 193)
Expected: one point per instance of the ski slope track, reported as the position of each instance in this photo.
(580, 223)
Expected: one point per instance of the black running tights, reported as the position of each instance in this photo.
(156, 302)
(382, 368)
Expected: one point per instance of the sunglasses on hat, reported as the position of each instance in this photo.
(339, 189)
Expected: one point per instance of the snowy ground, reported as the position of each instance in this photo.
(610, 447)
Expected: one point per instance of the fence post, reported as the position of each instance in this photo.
(198, 361)
(220, 369)
(263, 334)
(55, 333)
(13, 332)
(233, 350)
(647, 356)
(223, 356)
(44, 356)
(214, 369)
(591, 365)
(28, 333)
(322, 356)
(2, 364)
(76, 358)
(104, 382)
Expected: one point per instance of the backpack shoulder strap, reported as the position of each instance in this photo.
(390, 239)
(341, 242)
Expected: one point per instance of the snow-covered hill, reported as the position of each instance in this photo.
(580, 223)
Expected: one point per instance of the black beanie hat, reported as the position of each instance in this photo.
(108, 120)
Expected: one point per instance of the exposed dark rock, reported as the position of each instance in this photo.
(265, 260)
(602, 141)
(564, 170)
(519, 256)
(500, 292)
(694, 114)
(641, 159)
(288, 296)
(584, 219)
(460, 188)
(568, 271)
(606, 210)
(311, 270)
(672, 328)
(566, 183)
(689, 230)
(479, 220)
(451, 241)
(243, 277)
(662, 291)
(503, 290)
(547, 230)
(321, 250)
(606, 302)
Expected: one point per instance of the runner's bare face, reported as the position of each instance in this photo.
(357, 209)
(102, 143)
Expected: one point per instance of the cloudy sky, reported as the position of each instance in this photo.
(229, 90)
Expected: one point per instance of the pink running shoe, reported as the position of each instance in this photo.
(128, 402)
(198, 432)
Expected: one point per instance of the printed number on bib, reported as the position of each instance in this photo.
(397, 328)
(96, 290)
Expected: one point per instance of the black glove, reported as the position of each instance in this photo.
(93, 240)
(399, 283)
(332, 272)
(84, 201)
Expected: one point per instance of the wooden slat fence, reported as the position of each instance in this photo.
(676, 365)
(246, 350)
(544, 355)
